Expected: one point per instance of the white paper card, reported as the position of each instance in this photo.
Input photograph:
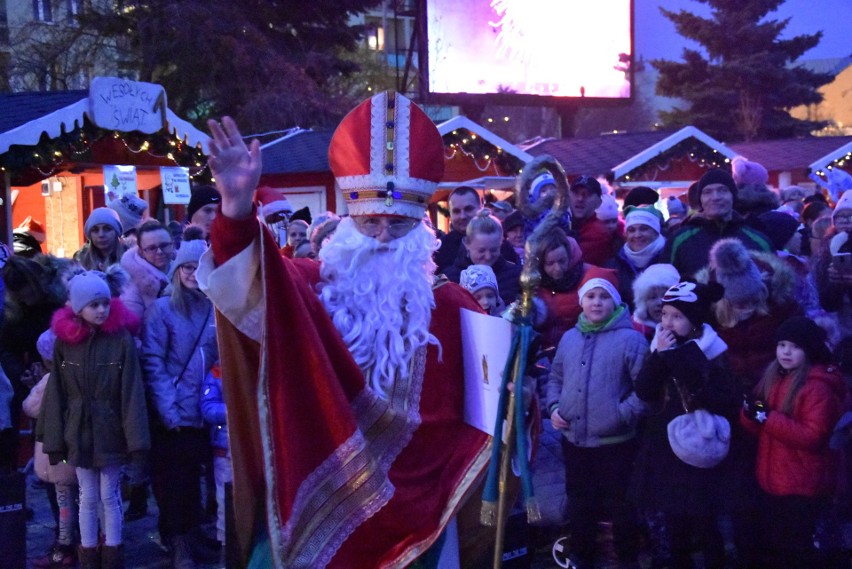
(486, 341)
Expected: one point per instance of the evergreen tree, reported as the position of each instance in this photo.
(744, 81)
(268, 63)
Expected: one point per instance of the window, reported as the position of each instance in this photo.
(42, 11)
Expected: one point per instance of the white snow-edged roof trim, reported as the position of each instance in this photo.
(68, 118)
(649, 153)
(460, 121)
(823, 162)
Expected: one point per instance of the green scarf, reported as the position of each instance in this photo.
(587, 327)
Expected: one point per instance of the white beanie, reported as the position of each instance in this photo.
(641, 215)
(86, 288)
(598, 282)
(845, 202)
(477, 277)
(608, 208)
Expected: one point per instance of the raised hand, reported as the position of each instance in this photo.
(235, 166)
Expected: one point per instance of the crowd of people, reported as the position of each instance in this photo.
(698, 354)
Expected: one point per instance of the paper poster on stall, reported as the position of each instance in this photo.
(119, 181)
(486, 341)
(175, 183)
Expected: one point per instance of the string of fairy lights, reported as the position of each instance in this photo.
(484, 155)
(839, 162)
(52, 155)
(689, 149)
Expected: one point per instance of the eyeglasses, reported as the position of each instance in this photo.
(188, 269)
(164, 247)
(374, 226)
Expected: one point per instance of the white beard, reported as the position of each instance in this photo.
(379, 296)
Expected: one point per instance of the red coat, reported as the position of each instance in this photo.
(595, 240)
(793, 457)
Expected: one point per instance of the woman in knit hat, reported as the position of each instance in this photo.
(643, 246)
(792, 412)
(103, 246)
(178, 350)
(686, 368)
(591, 402)
(94, 415)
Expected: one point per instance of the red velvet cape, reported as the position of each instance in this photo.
(344, 478)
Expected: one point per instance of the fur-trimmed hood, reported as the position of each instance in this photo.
(70, 328)
(778, 276)
(149, 280)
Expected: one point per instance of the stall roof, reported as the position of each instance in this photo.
(467, 124)
(25, 117)
(794, 153)
(299, 151)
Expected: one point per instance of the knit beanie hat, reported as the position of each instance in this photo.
(714, 176)
(643, 215)
(694, 299)
(477, 277)
(200, 197)
(272, 201)
(731, 262)
(596, 277)
(845, 202)
(86, 288)
(806, 334)
(513, 220)
(675, 207)
(608, 208)
(130, 209)
(539, 183)
(189, 252)
(745, 172)
(779, 227)
(641, 195)
(102, 216)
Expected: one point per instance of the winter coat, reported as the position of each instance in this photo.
(591, 383)
(147, 282)
(627, 273)
(661, 481)
(508, 275)
(213, 409)
(595, 240)
(689, 248)
(793, 456)
(93, 412)
(169, 346)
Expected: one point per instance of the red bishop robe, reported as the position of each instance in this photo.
(338, 476)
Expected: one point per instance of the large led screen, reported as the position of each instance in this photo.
(538, 48)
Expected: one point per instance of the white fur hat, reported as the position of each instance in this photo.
(608, 208)
(660, 274)
(700, 439)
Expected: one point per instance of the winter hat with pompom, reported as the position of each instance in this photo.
(608, 208)
(745, 172)
(733, 268)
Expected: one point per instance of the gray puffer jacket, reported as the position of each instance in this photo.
(168, 343)
(591, 383)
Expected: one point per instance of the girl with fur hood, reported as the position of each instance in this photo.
(94, 414)
(792, 412)
(687, 367)
(149, 265)
(648, 291)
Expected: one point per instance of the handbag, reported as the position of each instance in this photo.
(699, 438)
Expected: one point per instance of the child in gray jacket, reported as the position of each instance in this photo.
(591, 399)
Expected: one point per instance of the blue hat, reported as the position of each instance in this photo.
(86, 288)
(102, 216)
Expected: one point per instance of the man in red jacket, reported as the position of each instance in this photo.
(344, 380)
(595, 240)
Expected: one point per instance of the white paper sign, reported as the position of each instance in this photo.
(486, 341)
(120, 180)
(175, 181)
(120, 104)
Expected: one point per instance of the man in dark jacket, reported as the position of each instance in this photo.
(464, 203)
(689, 249)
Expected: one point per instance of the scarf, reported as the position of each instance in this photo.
(569, 280)
(587, 327)
(642, 258)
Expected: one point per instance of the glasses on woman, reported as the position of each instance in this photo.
(188, 269)
(374, 226)
(165, 247)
